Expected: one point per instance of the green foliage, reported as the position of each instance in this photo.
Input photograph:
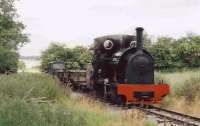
(170, 53)
(11, 30)
(189, 51)
(11, 36)
(76, 58)
(8, 60)
(82, 56)
(54, 52)
(163, 52)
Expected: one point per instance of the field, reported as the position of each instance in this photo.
(185, 91)
(34, 99)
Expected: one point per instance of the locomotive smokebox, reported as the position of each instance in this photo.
(139, 33)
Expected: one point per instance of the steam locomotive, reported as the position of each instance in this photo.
(122, 71)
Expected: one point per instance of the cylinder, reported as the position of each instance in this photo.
(139, 35)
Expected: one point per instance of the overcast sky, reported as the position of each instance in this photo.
(77, 22)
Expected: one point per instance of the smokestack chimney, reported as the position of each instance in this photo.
(139, 35)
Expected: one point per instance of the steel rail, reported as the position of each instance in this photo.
(172, 116)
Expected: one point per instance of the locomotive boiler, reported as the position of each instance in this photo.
(123, 71)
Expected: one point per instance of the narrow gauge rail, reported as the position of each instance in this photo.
(171, 116)
(163, 116)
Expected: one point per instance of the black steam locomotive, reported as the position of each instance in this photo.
(122, 71)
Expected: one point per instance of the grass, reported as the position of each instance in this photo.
(112, 116)
(19, 112)
(185, 91)
(27, 86)
(35, 99)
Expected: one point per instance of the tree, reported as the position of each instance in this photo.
(11, 30)
(54, 52)
(188, 50)
(11, 36)
(171, 53)
(75, 58)
(163, 52)
(8, 60)
(82, 56)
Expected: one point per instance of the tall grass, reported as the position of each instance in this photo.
(33, 99)
(185, 91)
(106, 115)
(190, 88)
(30, 86)
(17, 112)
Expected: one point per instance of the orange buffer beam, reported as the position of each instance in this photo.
(128, 90)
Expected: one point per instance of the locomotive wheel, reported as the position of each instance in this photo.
(120, 100)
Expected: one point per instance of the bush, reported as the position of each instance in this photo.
(8, 60)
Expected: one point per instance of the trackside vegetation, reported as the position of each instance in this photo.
(74, 58)
(170, 54)
(185, 91)
(35, 99)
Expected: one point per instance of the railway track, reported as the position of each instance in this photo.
(163, 117)
(171, 117)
